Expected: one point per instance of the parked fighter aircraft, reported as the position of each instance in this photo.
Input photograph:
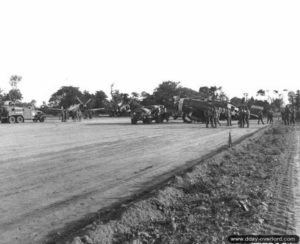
(195, 109)
(77, 111)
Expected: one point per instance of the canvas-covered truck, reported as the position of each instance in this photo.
(157, 113)
(10, 113)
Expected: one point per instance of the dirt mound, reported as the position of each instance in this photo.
(224, 195)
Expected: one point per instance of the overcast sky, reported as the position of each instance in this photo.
(240, 45)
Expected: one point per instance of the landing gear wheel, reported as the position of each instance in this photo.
(11, 120)
(20, 119)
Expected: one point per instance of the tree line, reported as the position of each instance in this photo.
(163, 94)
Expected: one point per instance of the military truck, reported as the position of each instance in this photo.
(11, 113)
(147, 114)
(141, 114)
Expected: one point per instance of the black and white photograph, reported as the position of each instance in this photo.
(149, 122)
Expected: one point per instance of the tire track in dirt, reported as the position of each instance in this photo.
(296, 181)
(96, 169)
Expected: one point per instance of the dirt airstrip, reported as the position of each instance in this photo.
(251, 189)
(53, 174)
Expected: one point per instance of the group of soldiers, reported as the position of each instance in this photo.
(243, 116)
(212, 116)
(76, 115)
(288, 115)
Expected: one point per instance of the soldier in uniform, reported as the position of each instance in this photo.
(209, 117)
(218, 114)
(63, 114)
(214, 118)
(293, 115)
(228, 115)
(247, 116)
(241, 117)
(260, 117)
(270, 117)
(287, 115)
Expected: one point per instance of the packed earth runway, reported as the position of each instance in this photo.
(53, 173)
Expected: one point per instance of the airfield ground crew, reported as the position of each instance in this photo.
(241, 117)
(247, 116)
(215, 115)
(270, 117)
(209, 117)
(228, 117)
(293, 116)
(63, 114)
(260, 117)
(287, 115)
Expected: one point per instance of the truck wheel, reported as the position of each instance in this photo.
(42, 119)
(34, 120)
(20, 119)
(11, 119)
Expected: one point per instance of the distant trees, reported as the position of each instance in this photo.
(297, 99)
(147, 99)
(67, 96)
(213, 93)
(165, 92)
(100, 99)
(14, 93)
(2, 95)
(261, 92)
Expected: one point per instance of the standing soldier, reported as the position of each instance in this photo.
(247, 116)
(293, 115)
(214, 117)
(270, 117)
(260, 117)
(241, 117)
(218, 114)
(229, 116)
(208, 116)
(63, 114)
(287, 115)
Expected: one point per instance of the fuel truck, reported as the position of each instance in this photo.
(10, 113)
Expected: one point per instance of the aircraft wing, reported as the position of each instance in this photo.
(55, 109)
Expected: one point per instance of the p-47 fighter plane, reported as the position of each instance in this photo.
(78, 111)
